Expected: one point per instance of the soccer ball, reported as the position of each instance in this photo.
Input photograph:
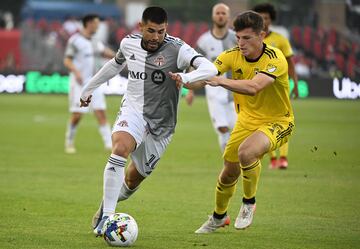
(120, 230)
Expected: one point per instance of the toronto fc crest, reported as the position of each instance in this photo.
(159, 60)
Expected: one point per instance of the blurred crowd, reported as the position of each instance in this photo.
(318, 51)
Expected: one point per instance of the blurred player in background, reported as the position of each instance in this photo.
(268, 12)
(260, 84)
(220, 101)
(80, 54)
(148, 114)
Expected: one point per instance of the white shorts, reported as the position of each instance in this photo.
(97, 100)
(222, 111)
(148, 149)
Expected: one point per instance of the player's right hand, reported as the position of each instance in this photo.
(78, 77)
(85, 103)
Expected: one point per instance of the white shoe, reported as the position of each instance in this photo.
(245, 216)
(97, 216)
(212, 224)
(70, 148)
(99, 230)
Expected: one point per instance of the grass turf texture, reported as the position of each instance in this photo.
(47, 198)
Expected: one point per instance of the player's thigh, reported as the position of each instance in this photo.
(278, 133)
(253, 147)
(237, 136)
(130, 122)
(148, 154)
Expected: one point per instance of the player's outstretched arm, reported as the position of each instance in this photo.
(108, 71)
(247, 87)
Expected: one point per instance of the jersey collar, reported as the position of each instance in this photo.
(258, 58)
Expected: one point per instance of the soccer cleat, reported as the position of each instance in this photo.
(100, 229)
(273, 163)
(70, 148)
(212, 224)
(245, 216)
(97, 216)
(283, 163)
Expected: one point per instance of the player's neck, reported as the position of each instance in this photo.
(219, 33)
(86, 34)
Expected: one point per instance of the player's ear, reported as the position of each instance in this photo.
(262, 34)
(141, 26)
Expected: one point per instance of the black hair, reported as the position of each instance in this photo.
(89, 18)
(154, 14)
(249, 19)
(266, 8)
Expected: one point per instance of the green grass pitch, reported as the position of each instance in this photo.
(47, 198)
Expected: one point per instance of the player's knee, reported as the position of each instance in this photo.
(120, 149)
(230, 173)
(245, 156)
(223, 129)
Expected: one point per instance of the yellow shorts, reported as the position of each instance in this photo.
(278, 133)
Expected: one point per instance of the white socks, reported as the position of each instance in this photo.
(113, 181)
(125, 192)
(105, 133)
(70, 133)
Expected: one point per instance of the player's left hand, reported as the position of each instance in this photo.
(85, 103)
(177, 78)
(294, 93)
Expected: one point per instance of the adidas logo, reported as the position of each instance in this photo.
(112, 169)
(132, 57)
(239, 71)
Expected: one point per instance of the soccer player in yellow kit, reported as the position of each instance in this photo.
(265, 117)
(268, 13)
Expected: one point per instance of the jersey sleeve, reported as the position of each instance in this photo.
(100, 47)
(186, 56)
(275, 67)
(120, 57)
(70, 49)
(200, 45)
(223, 62)
(286, 48)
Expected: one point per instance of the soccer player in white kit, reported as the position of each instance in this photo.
(148, 114)
(220, 101)
(80, 55)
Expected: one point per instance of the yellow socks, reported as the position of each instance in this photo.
(272, 154)
(284, 150)
(250, 174)
(223, 193)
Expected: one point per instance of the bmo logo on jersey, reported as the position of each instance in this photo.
(158, 77)
(137, 75)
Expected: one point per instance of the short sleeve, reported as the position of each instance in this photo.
(186, 56)
(275, 67)
(286, 48)
(223, 63)
(119, 57)
(100, 47)
(70, 49)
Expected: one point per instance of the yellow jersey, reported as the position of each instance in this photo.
(270, 104)
(278, 41)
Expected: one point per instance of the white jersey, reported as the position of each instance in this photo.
(83, 52)
(151, 92)
(210, 46)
